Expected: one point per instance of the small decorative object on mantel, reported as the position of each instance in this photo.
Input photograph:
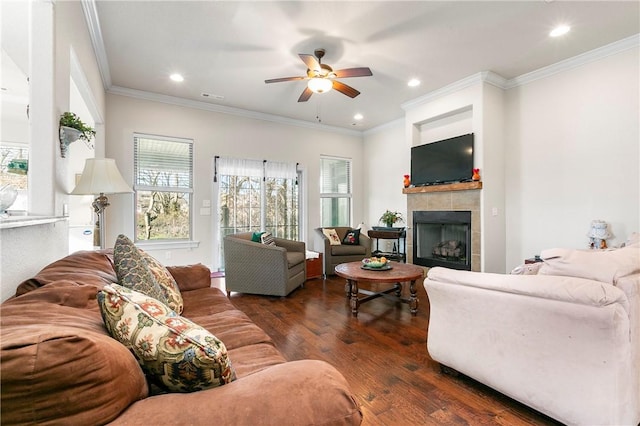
(598, 234)
(406, 181)
(389, 218)
(476, 175)
(72, 129)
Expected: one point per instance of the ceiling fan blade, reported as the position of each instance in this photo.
(344, 89)
(353, 72)
(305, 95)
(278, 80)
(310, 61)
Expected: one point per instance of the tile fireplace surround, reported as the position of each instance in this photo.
(454, 197)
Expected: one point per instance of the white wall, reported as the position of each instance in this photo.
(223, 135)
(387, 160)
(57, 29)
(572, 155)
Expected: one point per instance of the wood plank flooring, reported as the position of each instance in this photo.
(382, 353)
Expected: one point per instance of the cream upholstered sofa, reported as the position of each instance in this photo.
(564, 341)
(268, 270)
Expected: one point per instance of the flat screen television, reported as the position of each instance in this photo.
(445, 161)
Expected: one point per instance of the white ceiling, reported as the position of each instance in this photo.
(229, 48)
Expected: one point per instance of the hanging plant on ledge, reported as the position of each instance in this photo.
(72, 129)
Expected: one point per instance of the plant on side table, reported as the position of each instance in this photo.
(389, 218)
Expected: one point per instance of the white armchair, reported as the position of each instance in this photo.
(559, 341)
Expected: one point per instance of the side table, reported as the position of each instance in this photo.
(314, 265)
(387, 234)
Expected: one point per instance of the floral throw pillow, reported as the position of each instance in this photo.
(166, 282)
(175, 353)
(132, 269)
(332, 235)
(352, 237)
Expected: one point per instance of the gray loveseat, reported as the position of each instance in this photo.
(337, 254)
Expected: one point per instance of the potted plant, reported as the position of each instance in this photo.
(389, 218)
(72, 129)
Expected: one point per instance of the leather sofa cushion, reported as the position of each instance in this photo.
(348, 250)
(57, 362)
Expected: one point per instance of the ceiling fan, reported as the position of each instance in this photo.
(322, 77)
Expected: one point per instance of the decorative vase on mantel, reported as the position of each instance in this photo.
(68, 135)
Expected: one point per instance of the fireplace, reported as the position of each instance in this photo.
(442, 238)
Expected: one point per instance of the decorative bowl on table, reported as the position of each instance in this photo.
(375, 262)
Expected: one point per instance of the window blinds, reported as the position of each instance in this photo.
(163, 163)
(335, 176)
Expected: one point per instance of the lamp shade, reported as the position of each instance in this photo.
(101, 176)
(320, 85)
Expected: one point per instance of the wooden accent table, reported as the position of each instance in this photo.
(314, 267)
(399, 273)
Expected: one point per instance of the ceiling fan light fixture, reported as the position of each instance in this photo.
(319, 85)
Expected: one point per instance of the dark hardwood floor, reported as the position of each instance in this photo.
(383, 355)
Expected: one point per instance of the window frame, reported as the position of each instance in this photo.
(337, 195)
(166, 243)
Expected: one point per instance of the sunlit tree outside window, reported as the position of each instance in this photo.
(163, 187)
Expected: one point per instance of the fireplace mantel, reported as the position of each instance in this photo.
(461, 186)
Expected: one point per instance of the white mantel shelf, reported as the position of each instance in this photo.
(22, 221)
(462, 186)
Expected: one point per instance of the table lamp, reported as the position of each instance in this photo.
(99, 177)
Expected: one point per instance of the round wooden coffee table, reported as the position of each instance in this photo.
(399, 273)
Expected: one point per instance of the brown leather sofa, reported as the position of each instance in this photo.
(58, 365)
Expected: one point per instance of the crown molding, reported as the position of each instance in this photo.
(489, 77)
(576, 61)
(188, 103)
(93, 25)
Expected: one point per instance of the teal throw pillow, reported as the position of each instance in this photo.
(256, 237)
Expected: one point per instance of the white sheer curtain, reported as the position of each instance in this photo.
(239, 167)
(274, 169)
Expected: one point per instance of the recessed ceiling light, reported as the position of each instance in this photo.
(176, 77)
(559, 30)
(413, 82)
(358, 116)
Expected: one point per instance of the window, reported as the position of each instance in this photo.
(163, 184)
(335, 191)
(14, 164)
(255, 196)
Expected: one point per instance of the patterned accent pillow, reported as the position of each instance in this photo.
(352, 237)
(332, 235)
(132, 269)
(166, 282)
(174, 352)
(267, 239)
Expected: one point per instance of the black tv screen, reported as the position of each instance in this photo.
(446, 161)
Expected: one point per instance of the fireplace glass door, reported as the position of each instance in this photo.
(442, 239)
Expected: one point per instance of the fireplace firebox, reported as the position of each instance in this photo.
(442, 238)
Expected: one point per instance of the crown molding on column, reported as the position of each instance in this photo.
(93, 24)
